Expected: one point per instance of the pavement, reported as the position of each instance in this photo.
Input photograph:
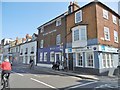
(72, 73)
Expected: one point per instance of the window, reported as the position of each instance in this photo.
(83, 34)
(106, 34)
(45, 56)
(78, 16)
(111, 58)
(105, 14)
(41, 44)
(58, 22)
(26, 49)
(79, 33)
(114, 19)
(52, 57)
(58, 39)
(79, 61)
(16, 49)
(108, 60)
(89, 57)
(76, 35)
(115, 36)
(42, 29)
(41, 54)
(32, 49)
(104, 60)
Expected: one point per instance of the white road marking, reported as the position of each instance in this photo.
(18, 73)
(81, 85)
(43, 83)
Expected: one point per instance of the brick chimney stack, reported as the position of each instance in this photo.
(73, 7)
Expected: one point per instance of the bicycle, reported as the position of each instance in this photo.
(5, 81)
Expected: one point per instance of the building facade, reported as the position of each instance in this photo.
(92, 45)
(28, 49)
(51, 41)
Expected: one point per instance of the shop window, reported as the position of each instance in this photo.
(52, 57)
(79, 59)
(89, 57)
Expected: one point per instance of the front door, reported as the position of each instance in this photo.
(57, 57)
(70, 61)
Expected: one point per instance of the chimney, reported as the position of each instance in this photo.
(73, 7)
(23, 40)
(16, 40)
(27, 36)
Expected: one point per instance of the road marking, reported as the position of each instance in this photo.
(43, 83)
(81, 85)
(18, 73)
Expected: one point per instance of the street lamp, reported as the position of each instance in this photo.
(61, 48)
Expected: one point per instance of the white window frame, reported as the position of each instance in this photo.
(108, 60)
(41, 56)
(80, 34)
(114, 19)
(77, 21)
(41, 43)
(105, 14)
(58, 39)
(58, 22)
(87, 60)
(51, 58)
(106, 30)
(79, 59)
(104, 65)
(115, 36)
(42, 30)
(74, 37)
(45, 58)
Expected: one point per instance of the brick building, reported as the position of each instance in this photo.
(87, 36)
(93, 39)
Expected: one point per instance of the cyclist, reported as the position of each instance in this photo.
(6, 68)
(31, 63)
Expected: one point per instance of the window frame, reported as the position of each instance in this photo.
(79, 59)
(87, 60)
(106, 29)
(77, 21)
(41, 43)
(114, 18)
(52, 57)
(115, 36)
(45, 56)
(105, 14)
(58, 22)
(58, 39)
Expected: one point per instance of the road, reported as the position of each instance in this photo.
(23, 77)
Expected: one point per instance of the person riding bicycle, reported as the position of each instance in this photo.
(31, 63)
(6, 68)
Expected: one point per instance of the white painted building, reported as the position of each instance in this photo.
(28, 50)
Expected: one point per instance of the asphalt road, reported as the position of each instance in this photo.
(23, 77)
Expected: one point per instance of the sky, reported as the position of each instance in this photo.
(21, 18)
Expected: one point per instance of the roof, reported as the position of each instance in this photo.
(52, 20)
(93, 2)
(99, 3)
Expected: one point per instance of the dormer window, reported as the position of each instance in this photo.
(58, 22)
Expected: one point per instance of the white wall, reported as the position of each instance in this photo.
(29, 46)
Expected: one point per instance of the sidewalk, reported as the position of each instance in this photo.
(71, 73)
